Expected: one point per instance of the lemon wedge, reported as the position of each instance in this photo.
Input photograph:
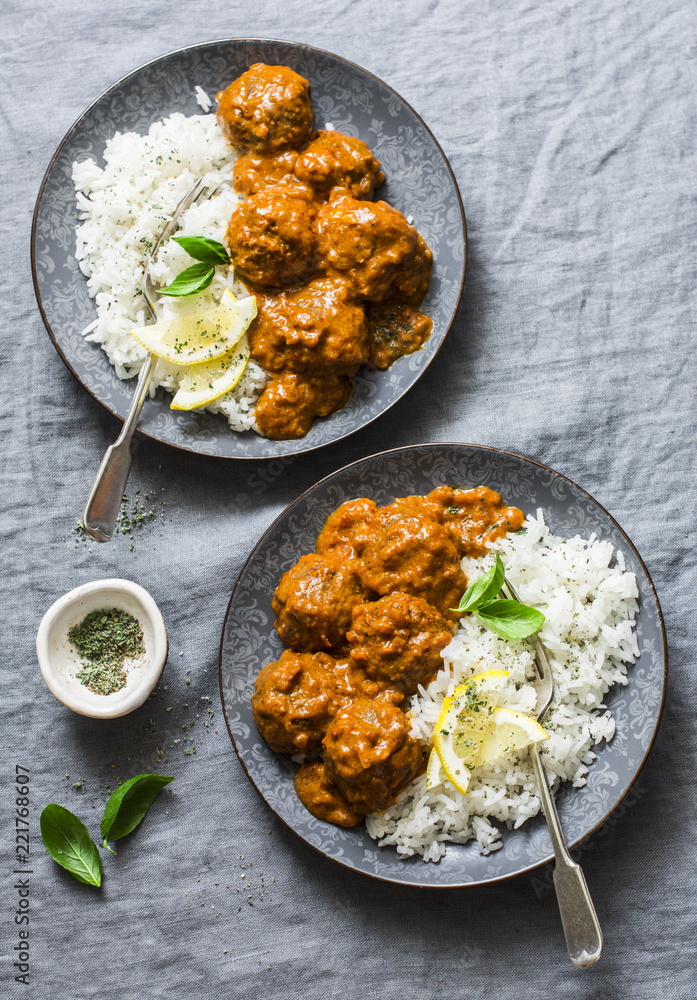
(201, 384)
(199, 337)
(509, 731)
(463, 723)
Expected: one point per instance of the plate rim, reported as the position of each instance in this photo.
(189, 48)
(538, 864)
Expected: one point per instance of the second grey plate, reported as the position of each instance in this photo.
(249, 641)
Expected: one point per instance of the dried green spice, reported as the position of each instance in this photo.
(105, 639)
(136, 511)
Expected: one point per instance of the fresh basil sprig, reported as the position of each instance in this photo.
(484, 589)
(66, 839)
(194, 279)
(198, 277)
(509, 619)
(204, 249)
(129, 805)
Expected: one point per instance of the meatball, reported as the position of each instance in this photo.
(412, 506)
(314, 600)
(254, 171)
(369, 754)
(475, 518)
(289, 404)
(271, 235)
(413, 276)
(315, 328)
(295, 698)
(395, 330)
(398, 641)
(349, 530)
(416, 556)
(322, 797)
(267, 108)
(333, 159)
(365, 241)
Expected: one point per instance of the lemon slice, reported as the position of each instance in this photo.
(199, 337)
(434, 771)
(464, 722)
(201, 384)
(509, 731)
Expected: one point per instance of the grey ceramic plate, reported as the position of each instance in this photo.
(419, 182)
(249, 641)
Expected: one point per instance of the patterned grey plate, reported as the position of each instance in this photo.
(419, 182)
(249, 641)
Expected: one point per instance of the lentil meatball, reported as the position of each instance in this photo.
(475, 518)
(295, 698)
(314, 328)
(314, 600)
(289, 404)
(412, 506)
(271, 235)
(267, 108)
(350, 529)
(333, 159)
(254, 171)
(413, 275)
(322, 797)
(398, 641)
(364, 241)
(369, 754)
(415, 555)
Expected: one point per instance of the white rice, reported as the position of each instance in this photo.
(123, 207)
(590, 603)
(202, 99)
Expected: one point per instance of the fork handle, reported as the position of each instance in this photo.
(584, 938)
(104, 501)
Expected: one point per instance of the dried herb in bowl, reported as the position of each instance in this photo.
(105, 639)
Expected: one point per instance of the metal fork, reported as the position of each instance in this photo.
(584, 938)
(103, 504)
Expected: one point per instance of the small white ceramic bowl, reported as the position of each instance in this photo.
(59, 660)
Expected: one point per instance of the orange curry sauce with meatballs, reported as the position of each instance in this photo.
(338, 277)
(365, 619)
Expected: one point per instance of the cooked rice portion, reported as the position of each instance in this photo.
(590, 602)
(123, 207)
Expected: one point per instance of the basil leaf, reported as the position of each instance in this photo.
(129, 805)
(203, 249)
(66, 839)
(511, 619)
(194, 279)
(483, 589)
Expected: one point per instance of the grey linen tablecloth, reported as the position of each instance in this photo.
(571, 129)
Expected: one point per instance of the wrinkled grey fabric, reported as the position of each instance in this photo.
(571, 129)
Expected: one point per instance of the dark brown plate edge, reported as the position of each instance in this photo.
(203, 45)
(500, 451)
